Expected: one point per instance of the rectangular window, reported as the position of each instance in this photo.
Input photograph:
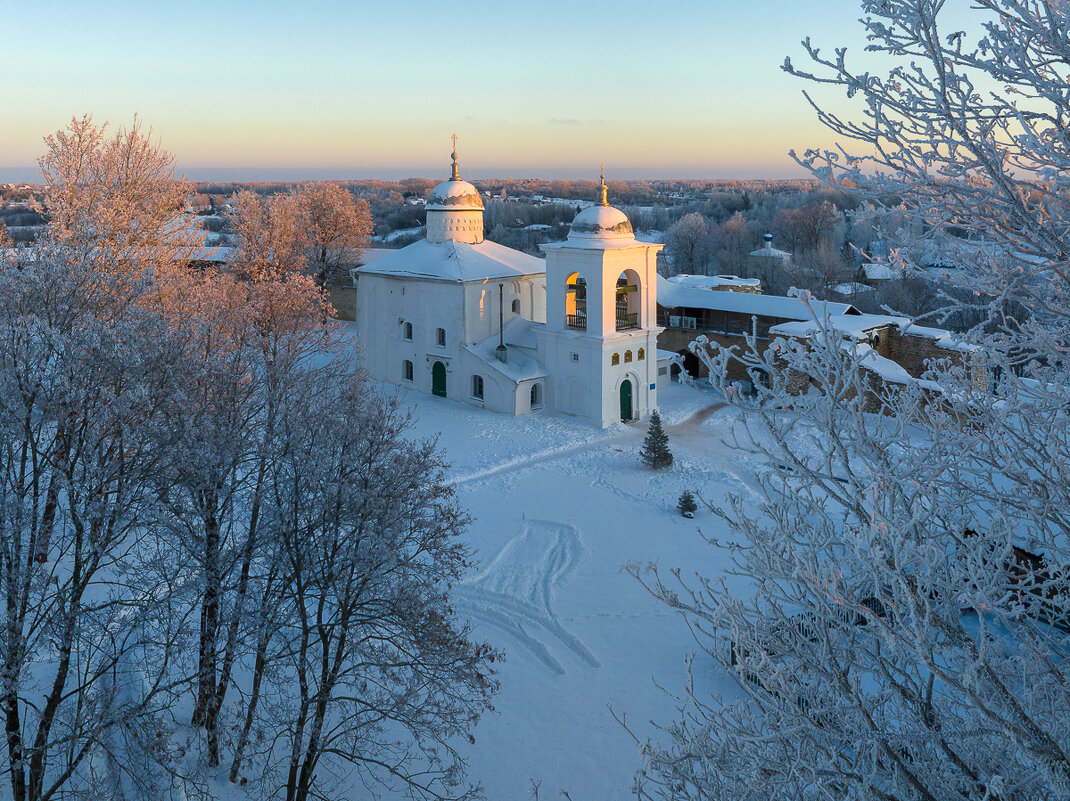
(440, 337)
(477, 387)
(575, 357)
(406, 331)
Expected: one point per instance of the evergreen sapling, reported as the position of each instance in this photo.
(687, 506)
(655, 452)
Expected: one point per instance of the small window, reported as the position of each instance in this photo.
(575, 357)
(641, 355)
(536, 396)
(477, 387)
(406, 370)
(440, 337)
(406, 331)
(516, 307)
(627, 356)
(615, 359)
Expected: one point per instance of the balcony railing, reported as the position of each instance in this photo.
(577, 322)
(626, 321)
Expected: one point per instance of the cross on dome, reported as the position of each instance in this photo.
(456, 175)
(605, 196)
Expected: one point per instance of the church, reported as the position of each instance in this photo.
(457, 316)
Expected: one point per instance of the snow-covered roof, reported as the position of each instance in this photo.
(770, 252)
(374, 254)
(456, 261)
(454, 196)
(518, 365)
(601, 222)
(519, 332)
(673, 296)
(713, 281)
(878, 271)
(851, 288)
(855, 326)
(858, 327)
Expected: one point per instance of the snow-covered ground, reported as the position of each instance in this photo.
(559, 507)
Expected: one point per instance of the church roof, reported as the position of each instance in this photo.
(454, 195)
(601, 222)
(456, 261)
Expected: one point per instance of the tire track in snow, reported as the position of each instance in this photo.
(515, 593)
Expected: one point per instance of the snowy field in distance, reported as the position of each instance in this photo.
(559, 506)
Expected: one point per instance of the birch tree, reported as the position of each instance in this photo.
(905, 635)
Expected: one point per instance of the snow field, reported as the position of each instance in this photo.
(559, 507)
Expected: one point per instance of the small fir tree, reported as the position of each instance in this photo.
(655, 452)
(687, 505)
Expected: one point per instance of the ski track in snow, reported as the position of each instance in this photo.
(515, 592)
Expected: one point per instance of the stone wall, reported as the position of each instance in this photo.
(677, 340)
(344, 300)
(912, 352)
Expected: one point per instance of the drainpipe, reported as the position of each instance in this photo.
(500, 351)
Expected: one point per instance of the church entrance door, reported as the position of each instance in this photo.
(438, 379)
(626, 400)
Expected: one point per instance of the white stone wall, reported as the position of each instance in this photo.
(459, 226)
(585, 380)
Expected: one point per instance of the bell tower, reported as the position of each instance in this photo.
(600, 338)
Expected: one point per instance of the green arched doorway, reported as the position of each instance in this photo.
(438, 379)
(626, 400)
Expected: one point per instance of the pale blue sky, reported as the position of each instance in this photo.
(375, 89)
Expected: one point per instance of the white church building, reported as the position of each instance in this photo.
(463, 318)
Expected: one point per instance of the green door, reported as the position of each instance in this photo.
(626, 400)
(438, 379)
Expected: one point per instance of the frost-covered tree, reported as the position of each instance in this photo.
(200, 502)
(339, 226)
(272, 238)
(115, 196)
(373, 679)
(655, 452)
(908, 632)
(90, 632)
(687, 244)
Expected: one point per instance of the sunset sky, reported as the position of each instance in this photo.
(351, 89)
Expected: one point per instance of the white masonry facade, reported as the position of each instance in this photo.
(462, 318)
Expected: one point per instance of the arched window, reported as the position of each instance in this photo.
(615, 359)
(536, 396)
(629, 300)
(627, 356)
(641, 355)
(440, 337)
(406, 331)
(576, 302)
(516, 306)
(406, 370)
(477, 387)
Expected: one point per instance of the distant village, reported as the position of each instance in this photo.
(733, 259)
